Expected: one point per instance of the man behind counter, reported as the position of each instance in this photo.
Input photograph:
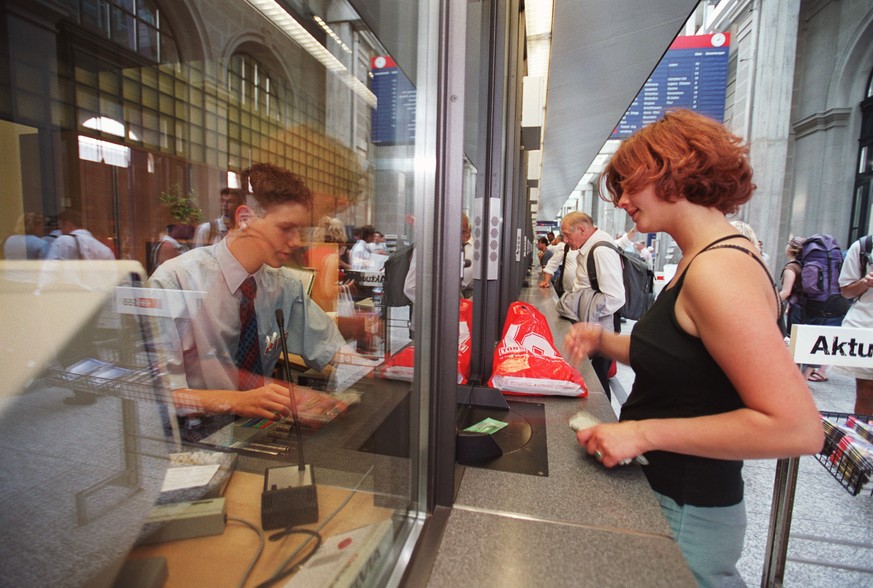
(219, 350)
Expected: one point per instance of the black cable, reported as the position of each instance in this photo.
(257, 555)
(292, 568)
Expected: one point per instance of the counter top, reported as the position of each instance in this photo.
(582, 524)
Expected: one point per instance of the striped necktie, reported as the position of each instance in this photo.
(248, 352)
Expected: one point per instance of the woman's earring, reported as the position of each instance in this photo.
(243, 226)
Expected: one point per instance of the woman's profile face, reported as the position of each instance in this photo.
(643, 207)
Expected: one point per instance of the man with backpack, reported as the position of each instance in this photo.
(211, 232)
(821, 300)
(600, 304)
(856, 279)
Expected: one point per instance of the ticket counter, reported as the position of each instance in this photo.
(581, 524)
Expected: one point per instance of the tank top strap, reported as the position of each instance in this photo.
(681, 279)
(721, 239)
(717, 244)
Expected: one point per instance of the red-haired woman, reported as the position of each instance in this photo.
(714, 383)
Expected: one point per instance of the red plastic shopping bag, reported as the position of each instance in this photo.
(526, 361)
(465, 344)
(401, 365)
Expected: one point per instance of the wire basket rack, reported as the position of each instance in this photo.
(846, 453)
(99, 377)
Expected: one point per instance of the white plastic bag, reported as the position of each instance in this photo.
(345, 306)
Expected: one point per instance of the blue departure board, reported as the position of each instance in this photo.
(692, 74)
(394, 118)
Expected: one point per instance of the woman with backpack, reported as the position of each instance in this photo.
(715, 383)
(790, 278)
(819, 296)
(792, 295)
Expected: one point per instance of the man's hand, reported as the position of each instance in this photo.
(271, 401)
(546, 280)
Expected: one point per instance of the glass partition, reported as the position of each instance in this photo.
(158, 155)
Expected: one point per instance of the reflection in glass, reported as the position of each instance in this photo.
(113, 106)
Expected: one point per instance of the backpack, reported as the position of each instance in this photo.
(821, 260)
(396, 268)
(637, 277)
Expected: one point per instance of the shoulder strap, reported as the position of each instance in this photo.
(789, 263)
(592, 266)
(681, 279)
(156, 248)
(726, 238)
(564, 260)
(866, 246)
(213, 232)
(78, 248)
(757, 259)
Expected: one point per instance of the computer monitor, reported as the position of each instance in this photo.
(84, 428)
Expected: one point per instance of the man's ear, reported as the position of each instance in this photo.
(243, 214)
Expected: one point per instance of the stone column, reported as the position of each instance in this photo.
(771, 116)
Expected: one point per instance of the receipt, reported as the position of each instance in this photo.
(188, 477)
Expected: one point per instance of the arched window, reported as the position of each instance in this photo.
(258, 99)
(253, 85)
(863, 193)
(134, 24)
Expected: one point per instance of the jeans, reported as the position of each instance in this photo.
(711, 539)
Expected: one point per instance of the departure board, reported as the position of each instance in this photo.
(394, 118)
(692, 74)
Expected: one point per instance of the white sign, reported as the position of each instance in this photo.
(157, 302)
(371, 279)
(814, 344)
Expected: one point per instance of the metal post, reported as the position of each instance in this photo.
(780, 522)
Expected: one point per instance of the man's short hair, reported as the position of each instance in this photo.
(237, 194)
(70, 215)
(574, 219)
(273, 185)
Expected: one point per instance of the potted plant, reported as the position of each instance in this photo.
(183, 214)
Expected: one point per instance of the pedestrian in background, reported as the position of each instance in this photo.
(790, 278)
(598, 306)
(76, 242)
(544, 254)
(856, 279)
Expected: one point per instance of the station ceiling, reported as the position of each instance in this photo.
(602, 54)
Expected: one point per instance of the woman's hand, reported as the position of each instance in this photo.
(613, 443)
(582, 340)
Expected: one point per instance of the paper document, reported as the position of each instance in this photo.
(188, 477)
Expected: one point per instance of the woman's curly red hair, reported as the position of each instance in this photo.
(684, 154)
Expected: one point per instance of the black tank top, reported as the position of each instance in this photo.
(676, 377)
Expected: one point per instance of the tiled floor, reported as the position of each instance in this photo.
(831, 540)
